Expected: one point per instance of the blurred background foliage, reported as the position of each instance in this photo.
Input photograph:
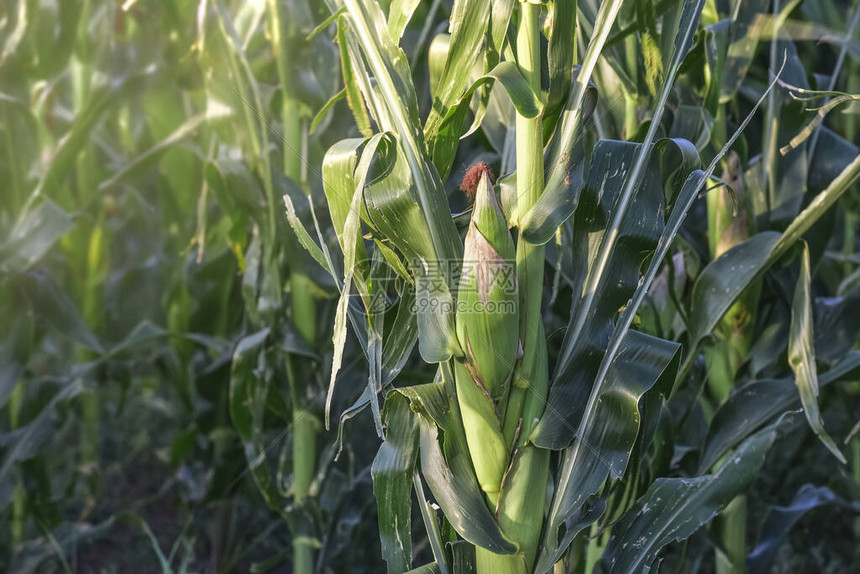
(143, 242)
(166, 341)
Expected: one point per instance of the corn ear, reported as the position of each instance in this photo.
(488, 307)
(487, 328)
(483, 432)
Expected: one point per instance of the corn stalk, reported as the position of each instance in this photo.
(305, 426)
(730, 222)
(519, 507)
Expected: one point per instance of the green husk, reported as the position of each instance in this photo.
(487, 308)
(487, 329)
(483, 432)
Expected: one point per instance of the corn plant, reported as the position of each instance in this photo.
(287, 295)
(522, 443)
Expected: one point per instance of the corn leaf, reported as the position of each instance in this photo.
(500, 18)
(729, 49)
(579, 105)
(837, 325)
(392, 471)
(249, 387)
(354, 267)
(352, 92)
(32, 236)
(725, 278)
(556, 204)
(470, 20)
(781, 519)
(392, 209)
(583, 345)
(801, 354)
(579, 334)
(446, 466)
(603, 448)
(581, 357)
(399, 15)
(756, 403)
(431, 525)
(23, 443)
(397, 112)
(674, 508)
(464, 558)
(57, 309)
(304, 237)
(560, 54)
(103, 98)
(437, 55)
(152, 154)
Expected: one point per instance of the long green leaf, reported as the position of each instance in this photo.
(23, 443)
(638, 235)
(399, 15)
(725, 278)
(249, 382)
(470, 20)
(397, 96)
(801, 354)
(32, 236)
(595, 277)
(152, 154)
(392, 483)
(102, 99)
(780, 520)
(352, 92)
(756, 403)
(603, 448)
(561, 151)
(446, 466)
(51, 304)
(560, 54)
(674, 508)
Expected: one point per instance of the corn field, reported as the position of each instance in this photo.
(430, 287)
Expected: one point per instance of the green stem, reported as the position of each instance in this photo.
(293, 133)
(728, 225)
(16, 192)
(852, 122)
(631, 122)
(855, 472)
(305, 428)
(849, 238)
(16, 399)
(523, 497)
(94, 264)
(731, 527)
(530, 183)
(594, 548)
(771, 119)
(302, 303)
